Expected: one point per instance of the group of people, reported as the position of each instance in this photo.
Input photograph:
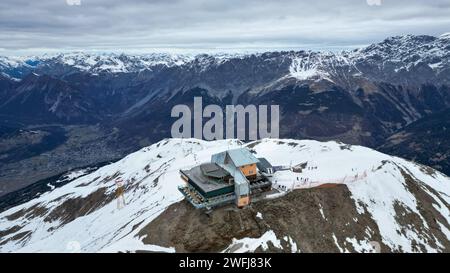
(303, 179)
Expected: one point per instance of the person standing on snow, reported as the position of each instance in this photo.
(119, 193)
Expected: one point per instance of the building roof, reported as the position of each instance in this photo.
(206, 183)
(263, 164)
(241, 157)
(213, 170)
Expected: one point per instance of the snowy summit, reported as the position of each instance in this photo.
(354, 198)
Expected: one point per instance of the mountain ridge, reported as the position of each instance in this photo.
(409, 51)
(400, 205)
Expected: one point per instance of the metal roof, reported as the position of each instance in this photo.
(206, 183)
(263, 164)
(213, 170)
(241, 157)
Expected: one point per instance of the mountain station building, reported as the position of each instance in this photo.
(231, 176)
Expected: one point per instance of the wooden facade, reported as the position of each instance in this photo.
(249, 170)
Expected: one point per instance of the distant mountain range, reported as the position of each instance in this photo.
(90, 108)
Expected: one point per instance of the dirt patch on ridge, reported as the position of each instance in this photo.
(316, 219)
(427, 227)
(31, 212)
(76, 207)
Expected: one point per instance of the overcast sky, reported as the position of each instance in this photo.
(33, 26)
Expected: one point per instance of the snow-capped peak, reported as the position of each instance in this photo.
(445, 36)
(99, 62)
(304, 68)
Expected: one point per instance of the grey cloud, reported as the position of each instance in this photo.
(53, 25)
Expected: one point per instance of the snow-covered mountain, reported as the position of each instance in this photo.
(405, 59)
(95, 62)
(361, 97)
(353, 200)
(390, 59)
